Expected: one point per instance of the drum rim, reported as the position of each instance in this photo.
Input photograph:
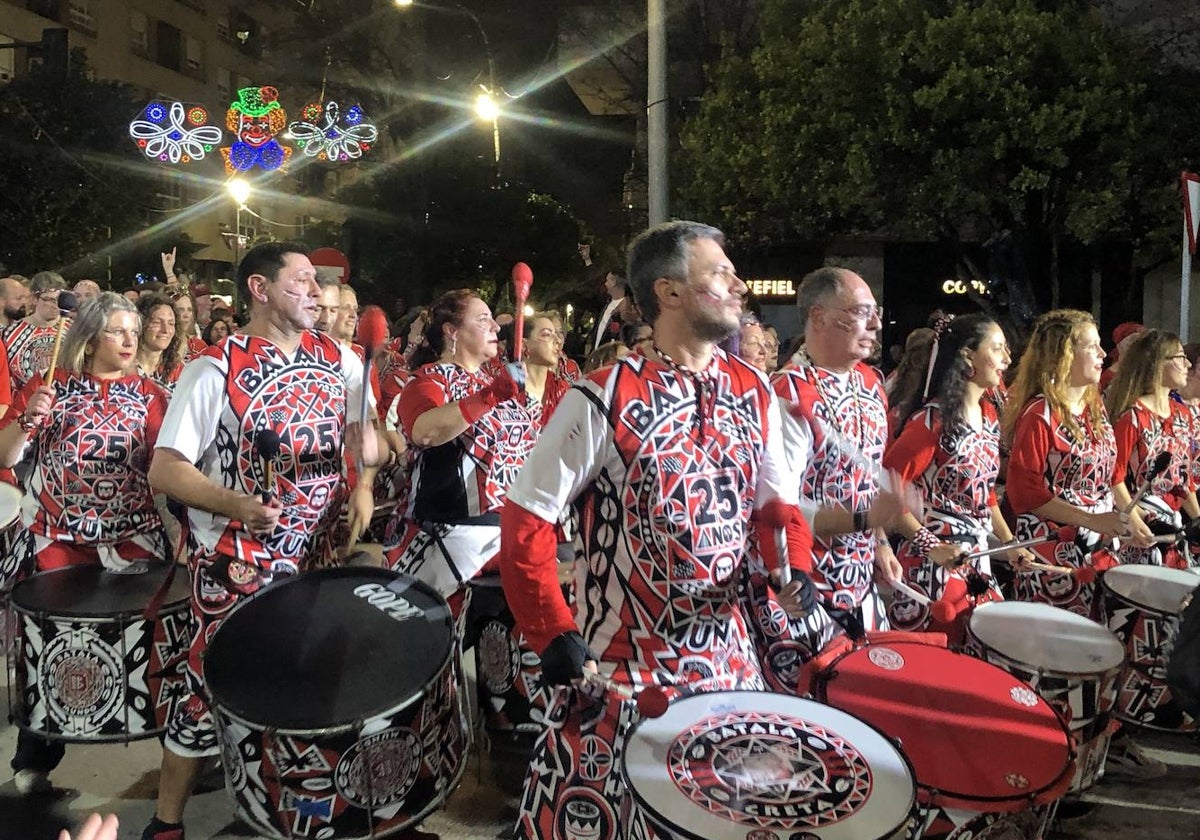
(105, 618)
(941, 795)
(341, 571)
(1050, 672)
(646, 807)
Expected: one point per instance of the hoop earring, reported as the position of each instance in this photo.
(970, 369)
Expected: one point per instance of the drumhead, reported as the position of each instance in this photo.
(10, 504)
(1047, 638)
(93, 592)
(726, 763)
(973, 732)
(1156, 588)
(329, 648)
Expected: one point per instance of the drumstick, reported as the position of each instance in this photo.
(372, 334)
(266, 445)
(1084, 574)
(1156, 469)
(1065, 534)
(651, 701)
(522, 280)
(919, 597)
(66, 305)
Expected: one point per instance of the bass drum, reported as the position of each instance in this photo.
(751, 765)
(336, 698)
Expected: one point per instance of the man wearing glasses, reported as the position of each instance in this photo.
(30, 341)
(834, 436)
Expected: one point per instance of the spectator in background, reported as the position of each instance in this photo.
(609, 322)
(85, 290)
(14, 300)
(30, 342)
(771, 338)
(605, 355)
(217, 330)
(632, 335)
(347, 316)
(1122, 335)
(329, 304)
(752, 343)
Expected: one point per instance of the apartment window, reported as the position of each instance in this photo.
(223, 83)
(193, 53)
(170, 190)
(168, 46)
(139, 32)
(80, 14)
(223, 29)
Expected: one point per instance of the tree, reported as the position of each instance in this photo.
(1007, 121)
(70, 201)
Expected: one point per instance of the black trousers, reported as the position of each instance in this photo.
(34, 753)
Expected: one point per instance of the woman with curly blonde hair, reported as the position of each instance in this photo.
(1063, 457)
(1149, 423)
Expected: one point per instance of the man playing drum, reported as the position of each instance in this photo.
(252, 513)
(668, 452)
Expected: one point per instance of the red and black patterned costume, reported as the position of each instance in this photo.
(87, 498)
(665, 467)
(568, 369)
(1141, 437)
(29, 348)
(955, 473)
(224, 398)
(1049, 461)
(835, 430)
(450, 527)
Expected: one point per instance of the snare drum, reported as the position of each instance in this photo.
(1072, 661)
(742, 765)
(988, 752)
(335, 696)
(10, 515)
(89, 665)
(1142, 606)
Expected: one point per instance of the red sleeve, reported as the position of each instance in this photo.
(529, 574)
(1126, 432)
(912, 452)
(799, 540)
(20, 400)
(421, 394)
(156, 405)
(1032, 442)
(5, 380)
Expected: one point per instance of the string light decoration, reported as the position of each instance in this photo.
(321, 134)
(171, 133)
(255, 118)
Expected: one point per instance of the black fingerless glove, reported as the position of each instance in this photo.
(563, 658)
(808, 590)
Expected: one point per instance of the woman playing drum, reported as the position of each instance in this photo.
(950, 450)
(1063, 457)
(1149, 423)
(93, 426)
(470, 433)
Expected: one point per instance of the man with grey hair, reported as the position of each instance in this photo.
(835, 431)
(30, 342)
(667, 454)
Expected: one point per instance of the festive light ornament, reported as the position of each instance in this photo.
(319, 135)
(255, 118)
(168, 133)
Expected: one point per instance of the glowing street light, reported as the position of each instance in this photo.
(404, 2)
(486, 107)
(239, 190)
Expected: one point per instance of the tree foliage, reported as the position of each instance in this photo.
(963, 120)
(68, 192)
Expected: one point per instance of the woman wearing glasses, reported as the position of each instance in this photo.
(92, 427)
(1149, 422)
(544, 387)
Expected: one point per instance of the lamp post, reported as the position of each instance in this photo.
(239, 190)
(487, 103)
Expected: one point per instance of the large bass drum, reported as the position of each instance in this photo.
(336, 699)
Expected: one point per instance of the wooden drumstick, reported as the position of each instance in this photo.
(66, 305)
(915, 595)
(651, 701)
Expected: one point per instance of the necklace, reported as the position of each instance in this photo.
(818, 380)
(702, 381)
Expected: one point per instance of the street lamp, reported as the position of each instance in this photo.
(487, 107)
(239, 190)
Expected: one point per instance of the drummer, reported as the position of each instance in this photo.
(950, 450)
(667, 452)
(91, 427)
(275, 374)
(1148, 423)
(1063, 457)
(470, 433)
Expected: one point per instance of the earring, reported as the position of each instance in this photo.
(453, 345)
(970, 369)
